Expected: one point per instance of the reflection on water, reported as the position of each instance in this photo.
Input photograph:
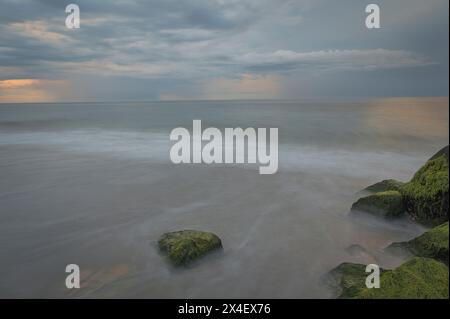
(93, 185)
(408, 116)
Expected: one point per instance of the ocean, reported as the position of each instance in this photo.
(92, 184)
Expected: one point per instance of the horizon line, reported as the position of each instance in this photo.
(231, 100)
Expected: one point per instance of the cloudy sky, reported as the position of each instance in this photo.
(221, 49)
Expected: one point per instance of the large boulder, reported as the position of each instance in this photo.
(386, 204)
(433, 244)
(418, 278)
(426, 195)
(184, 246)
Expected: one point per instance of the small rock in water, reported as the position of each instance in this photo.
(184, 246)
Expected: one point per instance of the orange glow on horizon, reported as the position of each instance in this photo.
(31, 90)
(17, 83)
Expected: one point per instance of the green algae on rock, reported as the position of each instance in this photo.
(417, 278)
(184, 246)
(426, 195)
(424, 198)
(385, 185)
(386, 204)
(347, 279)
(433, 244)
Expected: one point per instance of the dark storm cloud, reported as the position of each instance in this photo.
(163, 44)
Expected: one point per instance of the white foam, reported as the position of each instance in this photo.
(155, 147)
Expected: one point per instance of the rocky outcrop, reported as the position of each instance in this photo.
(386, 204)
(347, 279)
(183, 247)
(426, 195)
(384, 185)
(433, 243)
(418, 278)
(424, 198)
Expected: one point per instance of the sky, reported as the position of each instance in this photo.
(131, 50)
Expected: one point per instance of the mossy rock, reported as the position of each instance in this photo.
(385, 185)
(426, 195)
(442, 152)
(418, 278)
(433, 244)
(347, 279)
(183, 247)
(386, 204)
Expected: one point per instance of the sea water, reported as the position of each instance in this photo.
(92, 184)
